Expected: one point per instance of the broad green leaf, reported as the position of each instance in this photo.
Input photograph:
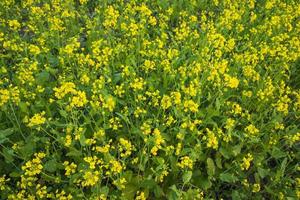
(23, 107)
(8, 155)
(42, 78)
(51, 165)
(82, 139)
(186, 177)
(210, 167)
(174, 193)
(283, 165)
(158, 192)
(236, 150)
(74, 153)
(129, 191)
(5, 133)
(225, 153)
(148, 183)
(63, 113)
(204, 182)
(219, 160)
(262, 172)
(227, 177)
(277, 153)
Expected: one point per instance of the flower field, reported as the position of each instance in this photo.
(149, 99)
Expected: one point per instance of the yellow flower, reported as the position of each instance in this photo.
(125, 147)
(212, 140)
(41, 192)
(146, 128)
(115, 123)
(229, 123)
(34, 166)
(140, 196)
(158, 140)
(84, 79)
(14, 24)
(231, 82)
(83, 1)
(251, 129)
(230, 44)
(99, 134)
(103, 149)
(176, 96)
(62, 195)
(111, 17)
(256, 187)
(110, 103)
(152, 21)
(37, 119)
(120, 183)
(269, 4)
(70, 168)
(119, 91)
(79, 100)
(137, 84)
(65, 89)
(35, 50)
(3, 180)
(139, 111)
(71, 47)
(246, 162)
(68, 140)
(4, 96)
(116, 167)
(91, 178)
(166, 102)
(282, 104)
(92, 161)
(190, 105)
(185, 162)
(149, 65)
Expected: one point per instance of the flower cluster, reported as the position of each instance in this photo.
(149, 99)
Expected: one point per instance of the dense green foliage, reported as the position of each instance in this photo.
(154, 99)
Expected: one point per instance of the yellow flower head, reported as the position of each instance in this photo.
(37, 119)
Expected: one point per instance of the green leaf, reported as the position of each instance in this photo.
(218, 105)
(42, 77)
(236, 150)
(262, 172)
(82, 139)
(104, 190)
(8, 155)
(15, 174)
(283, 165)
(210, 167)
(23, 107)
(158, 192)
(123, 117)
(148, 183)
(219, 160)
(28, 149)
(130, 191)
(236, 195)
(204, 182)
(227, 177)
(277, 153)
(186, 177)
(173, 193)
(51, 165)
(63, 113)
(5, 133)
(225, 153)
(73, 153)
